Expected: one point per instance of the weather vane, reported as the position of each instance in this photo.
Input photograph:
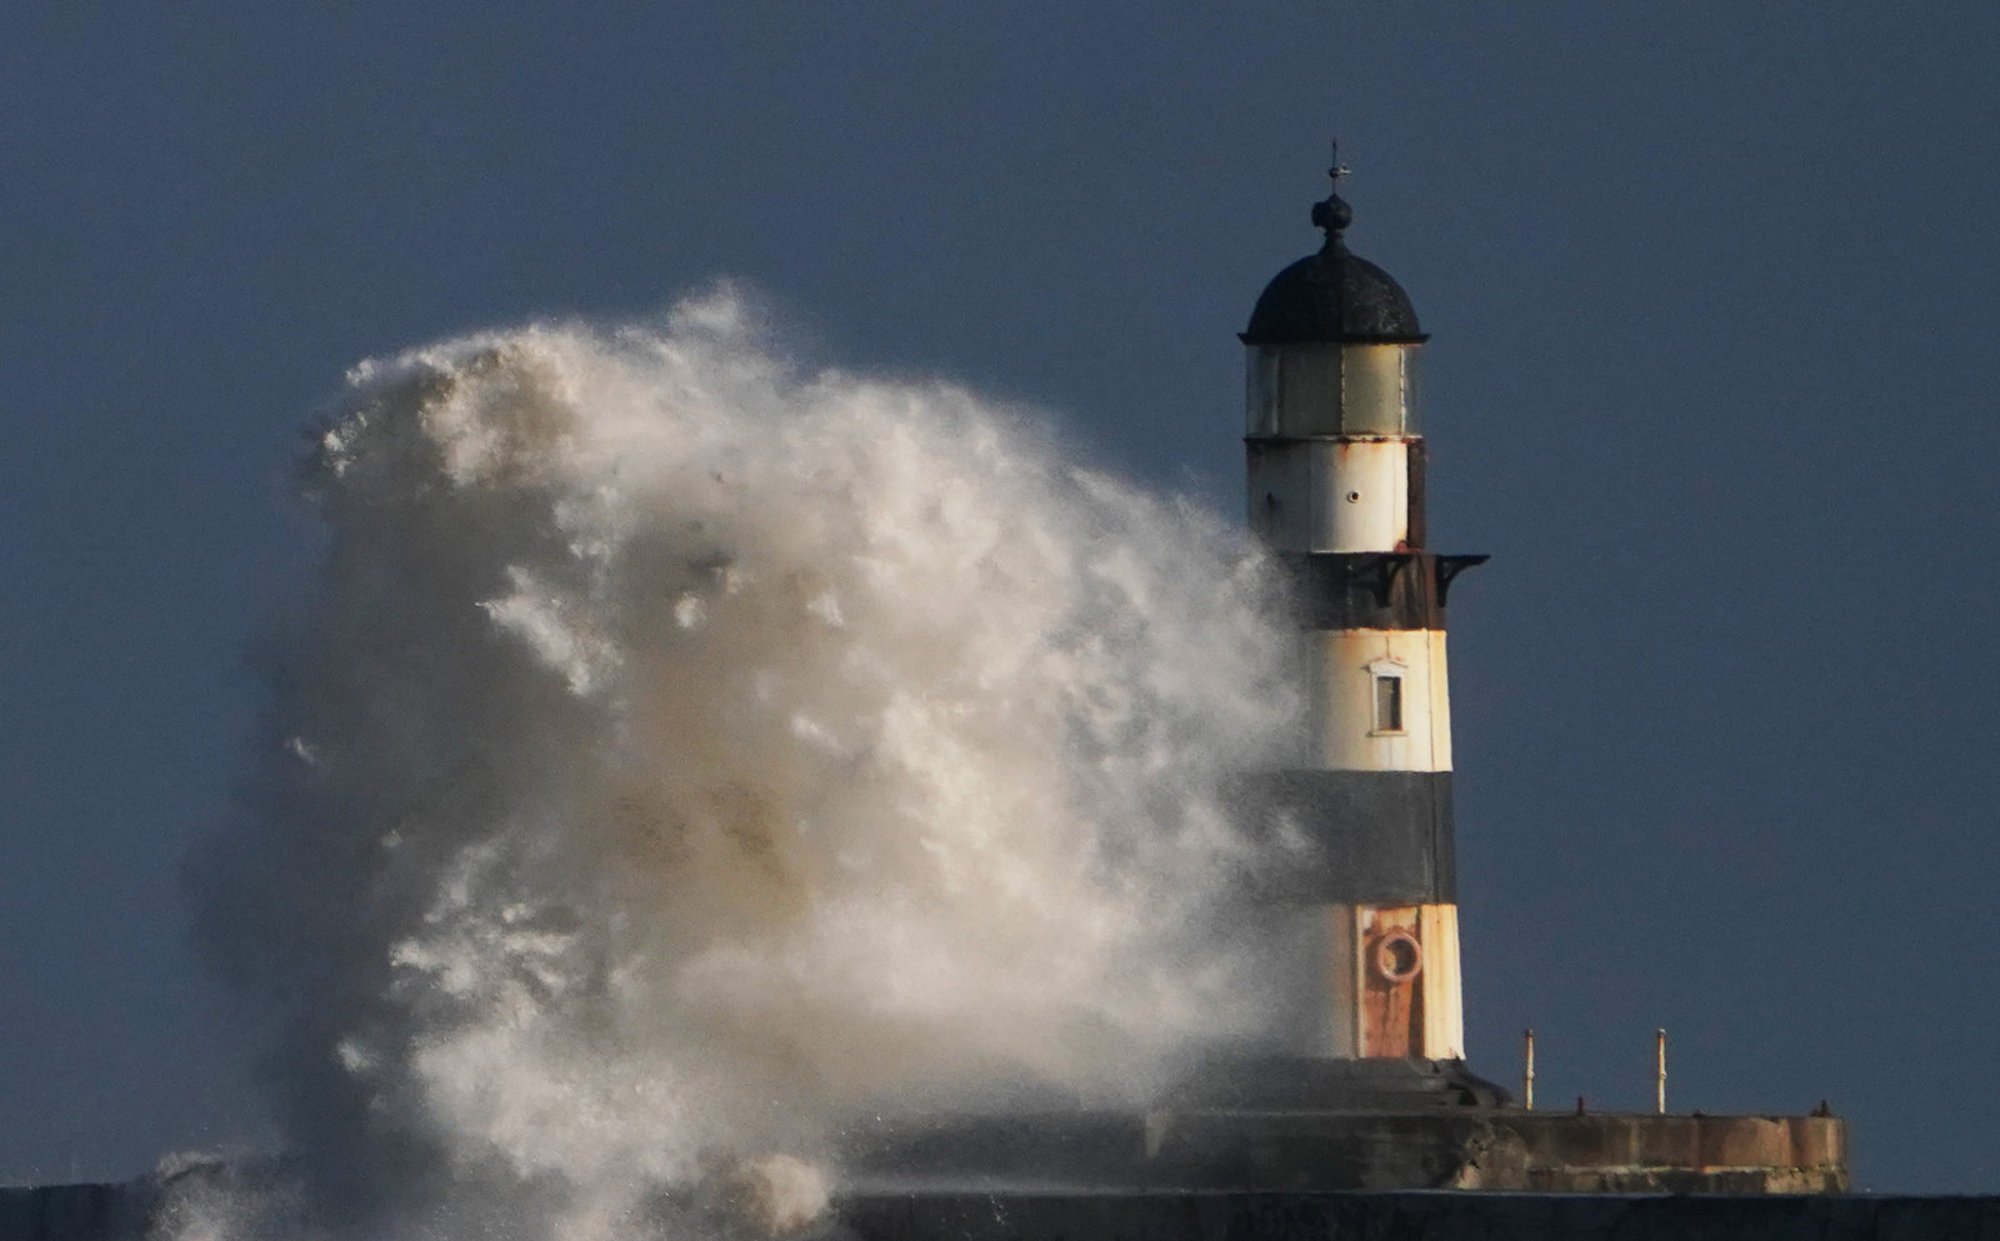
(1333, 214)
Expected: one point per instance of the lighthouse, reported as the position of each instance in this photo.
(1356, 1078)
(1363, 940)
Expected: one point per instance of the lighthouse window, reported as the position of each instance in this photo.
(1374, 390)
(1263, 390)
(1388, 704)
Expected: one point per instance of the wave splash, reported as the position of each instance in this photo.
(678, 756)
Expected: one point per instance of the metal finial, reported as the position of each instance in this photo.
(1333, 214)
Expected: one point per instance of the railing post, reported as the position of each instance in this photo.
(1660, 1064)
(1528, 1075)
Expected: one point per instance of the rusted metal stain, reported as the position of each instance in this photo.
(1392, 1000)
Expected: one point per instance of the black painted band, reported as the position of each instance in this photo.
(1372, 590)
(1350, 837)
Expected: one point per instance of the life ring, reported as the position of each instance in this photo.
(1398, 956)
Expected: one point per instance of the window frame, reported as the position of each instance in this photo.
(1388, 670)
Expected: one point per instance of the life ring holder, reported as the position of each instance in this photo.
(1398, 956)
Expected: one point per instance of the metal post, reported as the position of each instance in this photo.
(1528, 1077)
(1660, 1081)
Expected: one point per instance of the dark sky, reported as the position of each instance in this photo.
(1713, 295)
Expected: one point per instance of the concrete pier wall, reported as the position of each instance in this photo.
(120, 1213)
(1319, 1151)
(1435, 1216)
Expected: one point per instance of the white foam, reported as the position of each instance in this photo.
(698, 752)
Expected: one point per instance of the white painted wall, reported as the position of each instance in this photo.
(1444, 1002)
(1308, 958)
(1331, 495)
(1342, 665)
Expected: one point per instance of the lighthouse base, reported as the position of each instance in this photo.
(1302, 1124)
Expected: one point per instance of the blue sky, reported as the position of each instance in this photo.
(1712, 292)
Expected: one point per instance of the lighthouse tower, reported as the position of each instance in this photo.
(1364, 940)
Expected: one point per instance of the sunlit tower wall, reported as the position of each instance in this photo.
(1364, 943)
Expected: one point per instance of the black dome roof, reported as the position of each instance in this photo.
(1333, 295)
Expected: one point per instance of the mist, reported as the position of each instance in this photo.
(680, 754)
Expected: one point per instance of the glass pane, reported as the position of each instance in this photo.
(1388, 704)
(1413, 397)
(1372, 392)
(1309, 390)
(1261, 396)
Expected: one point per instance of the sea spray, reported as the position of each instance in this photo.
(679, 755)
